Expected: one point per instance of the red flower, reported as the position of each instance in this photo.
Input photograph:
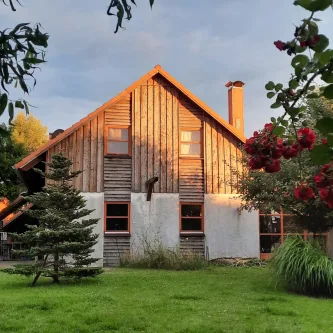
(269, 127)
(306, 137)
(315, 40)
(290, 151)
(327, 168)
(272, 166)
(324, 141)
(255, 163)
(250, 146)
(280, 45)
(303, 192)
(255, 134)
(304, 43)
(291, 92)
(327, 196)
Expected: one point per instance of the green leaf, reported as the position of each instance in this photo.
(3, 103)
(299, 49)
(4, 133)
(284, 122)
(313, 28)
(325, 125)
(273, 120)
(270, 85)
(275, 105)
(33, 61)
(321, 44)
(271, 94)
(11, 112)
(279, 130)
(300, 60)
(151, 3)
(313, 5)
(321, 154)
(317, 19)
(325, 57)
(327, 77)
(19, 104)
(26, 107)
(278, 87)
(330, 140)
(328, 91)
(293, 84)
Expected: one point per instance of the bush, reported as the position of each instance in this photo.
(160, 257)
(239, 262)
(304, 267)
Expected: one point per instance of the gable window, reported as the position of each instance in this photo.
(117, 141)
(191, 217)
(117, 217)
(190, 142)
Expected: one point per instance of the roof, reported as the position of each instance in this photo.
(13, 216)
(8, 208)
(156, 70)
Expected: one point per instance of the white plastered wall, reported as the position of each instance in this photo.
(154, 221)
(228, 233)
(96, 201)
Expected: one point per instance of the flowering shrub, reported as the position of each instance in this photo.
(284, 137)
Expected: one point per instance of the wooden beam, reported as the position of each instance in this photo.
(150, 185)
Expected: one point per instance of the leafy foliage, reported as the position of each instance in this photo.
(304, 267)
(10, 153)
(63, 238)
(28, 132)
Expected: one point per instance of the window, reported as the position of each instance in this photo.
(117, 141)
(275, 227)
(191, 218)
(117, 217)
(190, 143)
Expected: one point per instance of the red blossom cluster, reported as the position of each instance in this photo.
(304, 192)
(324, 183)
(266, 149)
(282, 46)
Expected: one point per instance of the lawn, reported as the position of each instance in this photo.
(216, 300)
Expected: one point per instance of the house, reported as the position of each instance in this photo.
(158, 166)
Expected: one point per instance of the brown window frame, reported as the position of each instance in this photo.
(202, 217)
(106, 140)
(191, 129)
(128, 217)
(282, 234)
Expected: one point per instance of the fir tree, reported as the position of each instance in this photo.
(63, 239)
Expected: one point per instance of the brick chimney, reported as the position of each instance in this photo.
(236, 105)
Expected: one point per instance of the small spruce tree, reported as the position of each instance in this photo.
(63, 239)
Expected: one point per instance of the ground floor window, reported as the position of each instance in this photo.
(117, 217)
(275, 227)
(191, 217)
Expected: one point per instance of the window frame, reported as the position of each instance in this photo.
(202, 217)
(117, 232)
(191, 129)
(106, 140)
(305, 234)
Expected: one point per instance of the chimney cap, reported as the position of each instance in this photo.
(238, 84)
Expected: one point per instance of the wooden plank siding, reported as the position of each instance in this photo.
(85, 148)
(155, 137)
(155, 113)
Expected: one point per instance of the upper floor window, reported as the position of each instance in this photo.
(117, 141)
(190, 142)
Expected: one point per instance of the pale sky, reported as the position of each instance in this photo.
(202, 45)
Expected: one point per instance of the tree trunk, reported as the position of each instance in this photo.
(40, 272)
(56, 268)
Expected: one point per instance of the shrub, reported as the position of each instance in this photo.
(239, 262)
(304, 267)
(160, 257)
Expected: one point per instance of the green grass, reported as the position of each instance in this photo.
(231, 300)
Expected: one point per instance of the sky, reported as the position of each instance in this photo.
(202, 45)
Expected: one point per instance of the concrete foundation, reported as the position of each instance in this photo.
(96, 201)
(154, 221)
(228, 233)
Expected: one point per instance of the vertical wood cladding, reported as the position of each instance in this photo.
(85, 147)
(156, 112)
(155, 136)
(118, 171)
